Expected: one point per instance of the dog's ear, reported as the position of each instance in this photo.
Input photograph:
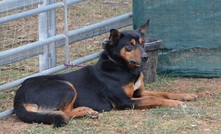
(143, 28)
(114, 36)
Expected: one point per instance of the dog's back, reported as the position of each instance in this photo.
(114, 82)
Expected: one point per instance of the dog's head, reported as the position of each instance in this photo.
(127, 47)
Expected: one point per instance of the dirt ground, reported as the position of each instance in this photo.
(208, 90)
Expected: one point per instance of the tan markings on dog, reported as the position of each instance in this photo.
(139, 84)
(153, 101)
(31, 107)
(134, 55)
(36, 109)
(75, 92)
(129, 89)
(83, 111)
(69, 106)
(133, 41)
(140, 40)
(173, 96)
(79, 111)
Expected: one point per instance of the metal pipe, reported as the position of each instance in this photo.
(98, 28)
(30, 46)
(49, 71)
(74, 35)
(20, 4)
(70, 2)
(30, 12)
(6, 113)
(103, 24)
(12, 5)
(46, 29)
(66, 33)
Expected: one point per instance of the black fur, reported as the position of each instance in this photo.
(98, 87)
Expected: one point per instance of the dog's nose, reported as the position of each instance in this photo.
(144, 57)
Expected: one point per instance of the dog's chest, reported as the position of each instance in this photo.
(137, 84)
(131, 87)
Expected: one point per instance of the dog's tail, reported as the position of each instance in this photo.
(30, 113)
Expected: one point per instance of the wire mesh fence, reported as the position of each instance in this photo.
(87, 13)
(14, 34)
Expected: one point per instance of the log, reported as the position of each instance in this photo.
(150, 67)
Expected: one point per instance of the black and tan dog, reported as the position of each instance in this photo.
(115, 82)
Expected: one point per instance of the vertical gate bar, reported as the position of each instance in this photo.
(47, 28)
(66, 33)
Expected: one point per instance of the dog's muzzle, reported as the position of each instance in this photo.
(144, 57)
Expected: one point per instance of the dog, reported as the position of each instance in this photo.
(114, 82)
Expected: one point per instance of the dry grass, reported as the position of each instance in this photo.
(201, 116)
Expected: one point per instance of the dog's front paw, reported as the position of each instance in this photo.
(174, 103)
(188, 97)
(90, 113)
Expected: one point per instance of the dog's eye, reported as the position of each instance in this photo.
(142, 44)
(129, 47)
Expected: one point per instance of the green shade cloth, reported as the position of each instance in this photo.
(191, 34)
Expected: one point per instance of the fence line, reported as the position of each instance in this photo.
(37, 48)
(74, 36)
(17, 4)
(30, 12)
(20, 4)
(49, 71)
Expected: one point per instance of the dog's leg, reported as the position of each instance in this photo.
(172, 96)
(81, 112)
(152, 101)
